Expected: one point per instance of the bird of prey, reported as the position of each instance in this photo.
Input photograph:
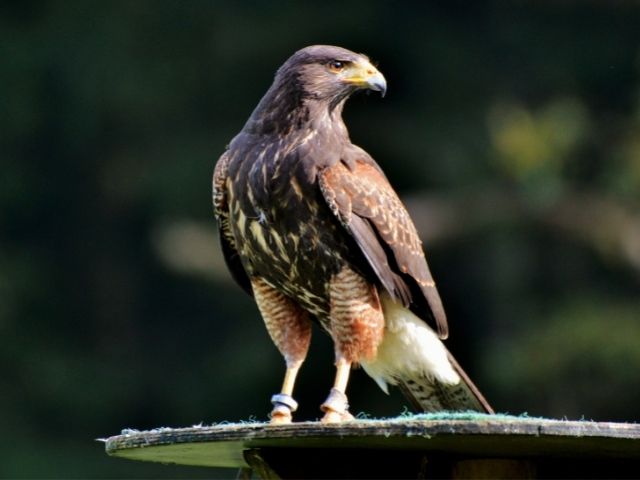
(312, 229)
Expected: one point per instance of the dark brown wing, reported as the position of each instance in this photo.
(366, 204)
(221, 212)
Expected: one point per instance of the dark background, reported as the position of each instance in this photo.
(511, 129)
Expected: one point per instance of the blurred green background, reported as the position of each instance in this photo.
(511, 129)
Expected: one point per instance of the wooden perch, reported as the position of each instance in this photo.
(423, 446)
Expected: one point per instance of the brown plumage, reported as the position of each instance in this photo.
(312, 228)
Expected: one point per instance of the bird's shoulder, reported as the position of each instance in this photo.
(356, 184)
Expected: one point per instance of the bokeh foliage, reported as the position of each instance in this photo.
(512, 129)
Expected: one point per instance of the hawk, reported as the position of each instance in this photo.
(312, 229)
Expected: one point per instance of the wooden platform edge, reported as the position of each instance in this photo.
(223, 445)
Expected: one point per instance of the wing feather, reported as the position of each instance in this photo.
(221, 212)
(369, 243)
(371, 211)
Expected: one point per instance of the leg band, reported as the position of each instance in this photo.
(336, 402)
(283, 401)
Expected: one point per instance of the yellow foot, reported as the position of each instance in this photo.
(336, 417)
(280, 418)
(283, 405)
(336, 407)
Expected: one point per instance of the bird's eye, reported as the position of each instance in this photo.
(336, 65)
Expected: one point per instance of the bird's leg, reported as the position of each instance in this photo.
(336, 406)
(290, 329)
(356, 326)
(283, 403)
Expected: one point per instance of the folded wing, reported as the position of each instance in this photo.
(365, 203)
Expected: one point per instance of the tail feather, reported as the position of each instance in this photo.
(430, 395)
(412, 357)
(471, 389)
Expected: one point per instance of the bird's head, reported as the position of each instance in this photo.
(331, 73)
(313, 81)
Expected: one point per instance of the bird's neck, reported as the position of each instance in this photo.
(289, 111)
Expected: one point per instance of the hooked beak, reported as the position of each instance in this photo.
(364, 75)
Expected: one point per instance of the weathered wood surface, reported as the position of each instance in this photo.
(492, 437)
